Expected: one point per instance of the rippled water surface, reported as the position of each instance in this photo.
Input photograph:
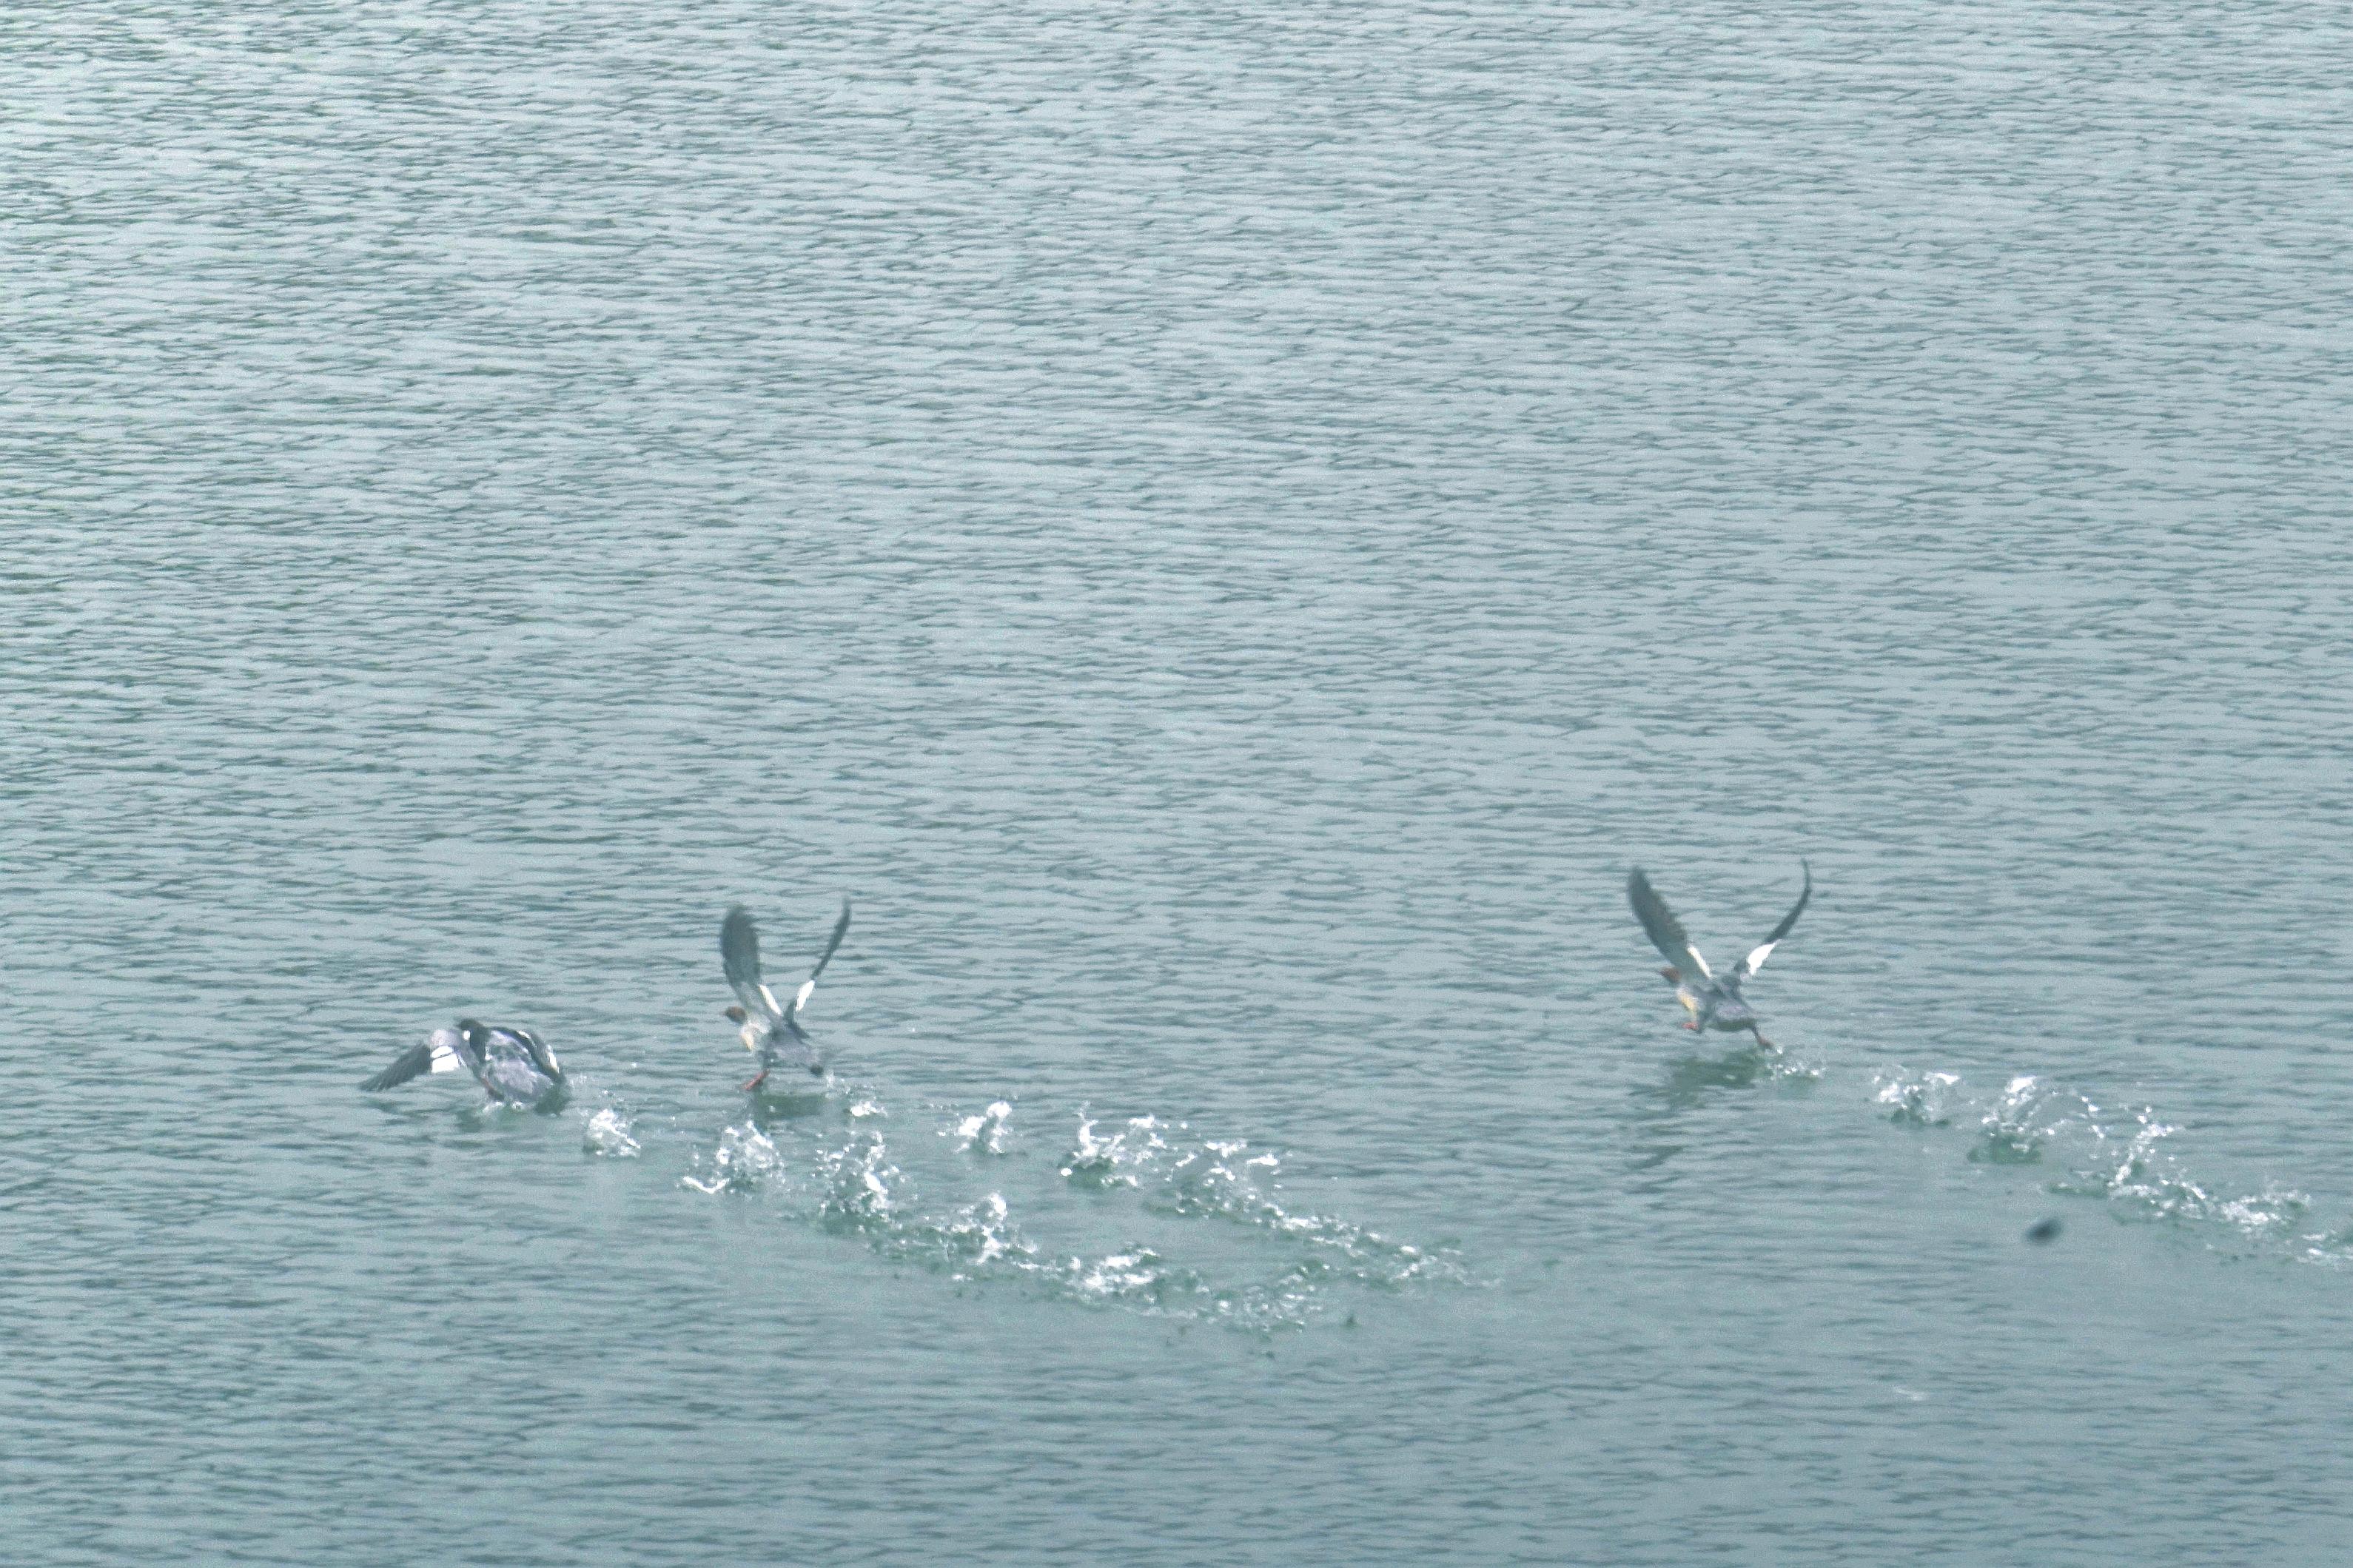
(1227, 532)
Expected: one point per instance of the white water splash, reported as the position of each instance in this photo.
(1213, 1181)
(1926, 1101)
(985, 1231)
(847, 1181)
(2017, 1126)
(855, 1183)
(2144, 1179)
(1114, 1161)
(986, 1132)
(607, 1133)
(746, 1160)
(1137, 1276)
(2126, 1165)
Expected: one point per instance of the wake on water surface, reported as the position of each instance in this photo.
(2108, 1155)
(1143, 1214)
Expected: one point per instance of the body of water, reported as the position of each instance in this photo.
(1228, 531)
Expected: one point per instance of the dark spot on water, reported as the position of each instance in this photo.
(2043, 1233)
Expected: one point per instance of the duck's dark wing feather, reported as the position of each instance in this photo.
(1666, 931)
(413, 1062)
(739, 953)
(792, 1019)
(432, 1054)
(1757, 957)
(832, 943)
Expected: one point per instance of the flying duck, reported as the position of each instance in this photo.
(771, 1030)
(1714, 1000)
(513, 1066)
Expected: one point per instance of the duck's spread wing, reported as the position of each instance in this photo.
(1757, 957)
(1666, 931)
(433, 1054)
(411, 1063)
(739, 953)
(832, 944)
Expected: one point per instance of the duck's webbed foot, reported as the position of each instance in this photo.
(1761, 1040)
(752, 1085)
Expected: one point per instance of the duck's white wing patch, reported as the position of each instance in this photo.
(800, 997)
(1757, 957)
(445, 1059)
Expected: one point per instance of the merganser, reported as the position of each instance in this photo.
(514, 1066)
(1713, 1001)
(771, 1030)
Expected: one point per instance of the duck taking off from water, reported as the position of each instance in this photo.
(771, 1030)
(514, 1066)
(1714, 1000)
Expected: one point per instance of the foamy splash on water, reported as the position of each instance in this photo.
(1222, 1180)
(984, 1133)
(2111, 1156)
(2013, 1130)
(745, 1160)
(984, 1233)
(854, 1184)
(607, 1133)
(2143, 1178)
(843, 1176)
(1113, 1160)
(1925, 1102)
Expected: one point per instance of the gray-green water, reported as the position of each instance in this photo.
(1227, 529)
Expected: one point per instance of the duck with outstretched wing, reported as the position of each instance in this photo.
(1713, 1000)
(771, 1029)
